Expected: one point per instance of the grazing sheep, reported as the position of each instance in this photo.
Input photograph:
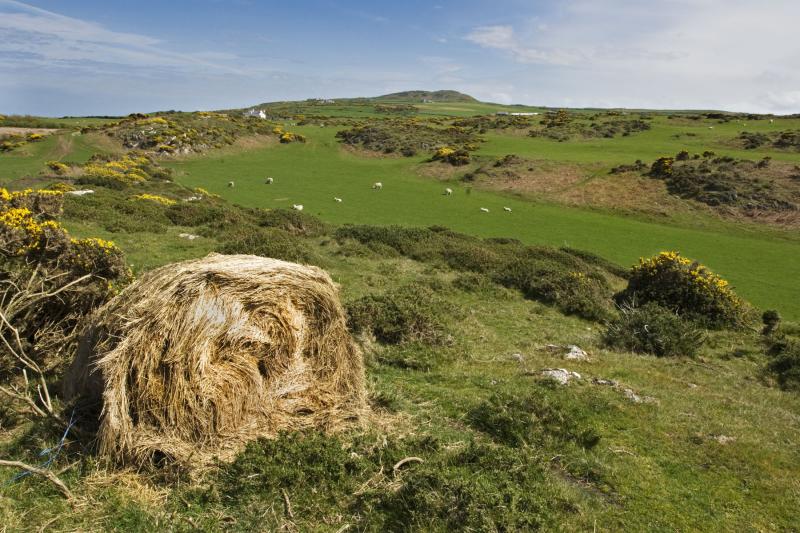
(711, 127)
(507, 209)
(771, 121)
(335, 199)
(230, 184)
(297, 207)
(81, 192)
(484, 210)
(448, 191)
(377, 185)
(268, 181)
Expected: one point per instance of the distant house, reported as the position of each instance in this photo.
(256, 113)
(504, 113)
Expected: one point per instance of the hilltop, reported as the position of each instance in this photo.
(431, 96)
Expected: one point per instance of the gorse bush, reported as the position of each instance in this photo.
(575, 283)
(122, 172)
(65, 278)
(725, 181)
(687, 288)
(292, 221)
(408, 136)
(475, 487)
(541, 418)
(115, 212)
(654, 330)
(410, 313)
(453, 156)
(268, 242)
(784, 362)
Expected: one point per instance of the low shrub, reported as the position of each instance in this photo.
(556, 277)
(474, 487)
(653, 330)
(454, 156)
(411, 313)
(269, 242)
(542, 417)
(477, 488)
(687, 288)
(114, 212)
(784, 362)
(292, 221)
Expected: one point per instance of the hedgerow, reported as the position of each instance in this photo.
(546, 274)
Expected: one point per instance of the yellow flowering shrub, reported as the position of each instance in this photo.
(23, 234)
(62, 187)
(153, 120)
(455, 157)
(443, 152)
(154, 198)
(202, 192)
(288, 137)
(44, 202)
(125, 171)
(686, 287)
(98, 257)
(58, 167)
(35, 137)
(74, 276)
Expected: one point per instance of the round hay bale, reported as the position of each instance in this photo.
(196, 358)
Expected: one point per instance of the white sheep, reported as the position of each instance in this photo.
(771, 121)
(448, 191)
(507, 209)
(230, 184)
(297, 207)
(377, 185)
(81, 192)
(484, 210)
(336, 199)
(268, 181)
(711, 127)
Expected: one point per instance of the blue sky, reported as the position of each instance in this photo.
(112, 57)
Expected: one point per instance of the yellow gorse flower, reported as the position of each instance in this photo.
(154, 198)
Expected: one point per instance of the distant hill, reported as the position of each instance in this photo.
(434, 96)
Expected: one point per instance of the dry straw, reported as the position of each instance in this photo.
(196, 358)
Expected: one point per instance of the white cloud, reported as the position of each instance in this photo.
(684, 53)
(29, 35)
(504, 38)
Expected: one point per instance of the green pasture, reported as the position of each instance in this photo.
(312, 174)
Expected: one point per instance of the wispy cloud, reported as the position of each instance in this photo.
(716, 53)
(503, 38)
(32, 35)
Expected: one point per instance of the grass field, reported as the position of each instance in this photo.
(758, 261)
(312, 174)
(706, 442)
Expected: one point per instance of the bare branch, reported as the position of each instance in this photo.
(47, 474)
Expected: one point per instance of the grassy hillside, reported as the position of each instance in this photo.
(644, 222)
(314, 173)
(636, 443)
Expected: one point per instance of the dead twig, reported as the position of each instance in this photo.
(288, 504)
(401, 462)
(47, 474)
